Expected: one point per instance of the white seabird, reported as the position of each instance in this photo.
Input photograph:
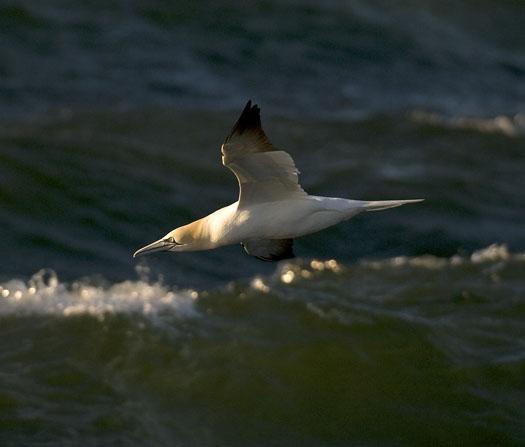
(272, 208)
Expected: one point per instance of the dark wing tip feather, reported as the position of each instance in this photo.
(250, 119)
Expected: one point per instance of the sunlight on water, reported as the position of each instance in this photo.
(45, 294)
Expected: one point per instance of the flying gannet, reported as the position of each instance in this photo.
(272, 208)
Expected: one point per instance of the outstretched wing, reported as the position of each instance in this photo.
(264, 173)
(269, 249)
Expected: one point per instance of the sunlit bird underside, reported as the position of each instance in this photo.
(272, 208)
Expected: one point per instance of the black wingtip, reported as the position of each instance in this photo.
(250, 119)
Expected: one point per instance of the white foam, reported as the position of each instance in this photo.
(492, 253)
(510, 126)
(298, 270)
(45, 294)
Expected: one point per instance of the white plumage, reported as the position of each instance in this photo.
(272, 208)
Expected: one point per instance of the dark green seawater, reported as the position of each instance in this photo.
(399, 328)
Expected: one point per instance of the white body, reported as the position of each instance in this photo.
(272, 208)
(285, 219)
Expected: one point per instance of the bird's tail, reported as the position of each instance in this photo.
(378, 205)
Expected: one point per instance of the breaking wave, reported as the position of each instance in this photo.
(426, 342)
(45, 294)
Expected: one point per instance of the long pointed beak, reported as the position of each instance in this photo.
(160, 245)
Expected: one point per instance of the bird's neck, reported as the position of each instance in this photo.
(192, 233)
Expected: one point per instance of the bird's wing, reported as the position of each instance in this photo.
(269, 249)
(265, 174)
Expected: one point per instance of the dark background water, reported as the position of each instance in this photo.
(113, 113)
(111, 118)
(301, 57)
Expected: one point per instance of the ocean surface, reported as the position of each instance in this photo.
(398, 328)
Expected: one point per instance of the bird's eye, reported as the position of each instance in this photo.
(170, 240)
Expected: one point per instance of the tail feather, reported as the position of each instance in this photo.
(379, 205)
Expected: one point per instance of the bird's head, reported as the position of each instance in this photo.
(185, 238)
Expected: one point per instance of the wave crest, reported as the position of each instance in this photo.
(510, 126)
(45, 294)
